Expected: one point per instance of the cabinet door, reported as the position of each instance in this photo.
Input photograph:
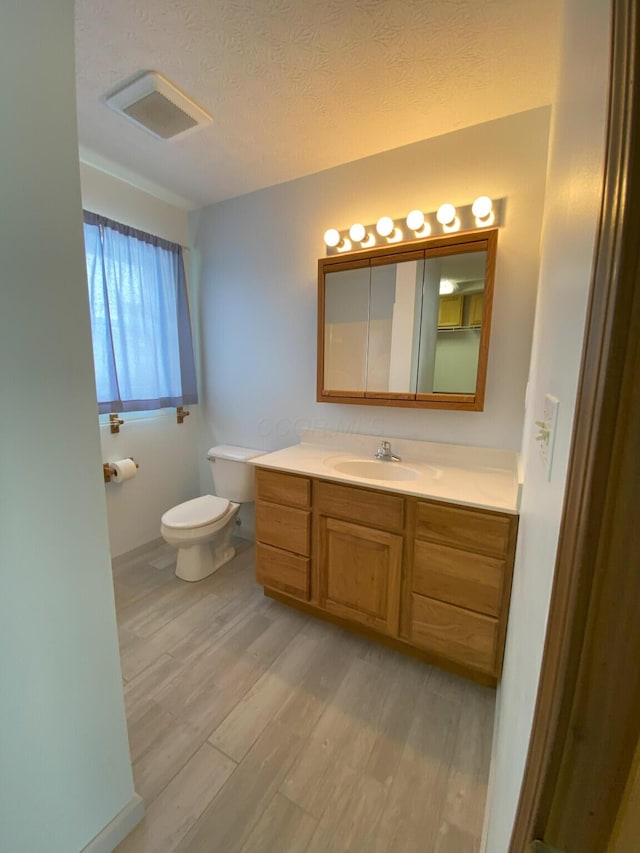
(476, 307)
(283, 527)
(450, 311)
(281, 570)
(360, 574)
(455, 633)
(459, 577)
(474, 530)
(280, 488)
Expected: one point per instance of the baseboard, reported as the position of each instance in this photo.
(116, 562)
(117, 829)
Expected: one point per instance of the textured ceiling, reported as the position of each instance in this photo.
(296, 86)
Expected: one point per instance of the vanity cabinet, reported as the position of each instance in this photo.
(460, 583)
(429, 578)
(283, 532)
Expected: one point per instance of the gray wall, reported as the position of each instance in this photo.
(572, 206)
(166, 452)
(64, 758)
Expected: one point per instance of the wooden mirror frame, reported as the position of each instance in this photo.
(465, 241)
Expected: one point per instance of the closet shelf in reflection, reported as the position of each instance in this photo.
(459, 328)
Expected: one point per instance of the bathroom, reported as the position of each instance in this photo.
(253, 292)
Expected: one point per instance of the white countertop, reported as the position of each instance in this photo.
(481, 477)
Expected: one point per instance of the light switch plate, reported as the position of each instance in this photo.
(547, 431)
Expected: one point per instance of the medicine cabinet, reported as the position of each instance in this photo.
(407, 325)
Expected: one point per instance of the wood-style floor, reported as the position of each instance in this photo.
(255, 728)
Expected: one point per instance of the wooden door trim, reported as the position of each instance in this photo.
(580, 752)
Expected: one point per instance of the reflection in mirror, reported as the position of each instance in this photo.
(408, 325)
(394, 327)
(451, 323)
(346, 328)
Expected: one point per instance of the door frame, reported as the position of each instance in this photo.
(587, 718)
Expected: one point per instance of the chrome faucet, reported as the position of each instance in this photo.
(384, 452)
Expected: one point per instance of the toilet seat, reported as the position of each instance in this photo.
(195, 513)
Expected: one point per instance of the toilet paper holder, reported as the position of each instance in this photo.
(107, 470)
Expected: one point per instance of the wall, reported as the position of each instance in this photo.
(119, 200)
(256, 286)
(65, 770)
(166, 452)
(457, 361)
(571, 212)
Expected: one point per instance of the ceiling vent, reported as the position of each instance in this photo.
(157, 106)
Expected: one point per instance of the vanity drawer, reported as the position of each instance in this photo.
(284, 571)
(459, 577)
(283, 488)
(453, 633)
(485, 532)
(283, 527)
(359, 505)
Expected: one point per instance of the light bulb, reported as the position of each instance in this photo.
(415, 220)
(384, 226)
(446, 214)
(345, 245)
(332, 237)
(357, 232)
(481, 207)
(446, 287)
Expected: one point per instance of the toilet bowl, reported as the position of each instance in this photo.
(201, 528)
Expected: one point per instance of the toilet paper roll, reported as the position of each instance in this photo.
(123, 469)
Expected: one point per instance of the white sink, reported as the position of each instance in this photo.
(372, 469)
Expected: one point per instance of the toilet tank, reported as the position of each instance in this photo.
(232, 477)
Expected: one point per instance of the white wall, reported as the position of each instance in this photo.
(166, 452)
(119, 200)
(65, 771)
(571, 212)
(256, 286)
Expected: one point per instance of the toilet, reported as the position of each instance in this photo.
(201, 528)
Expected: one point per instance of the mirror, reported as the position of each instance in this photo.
(407, 325)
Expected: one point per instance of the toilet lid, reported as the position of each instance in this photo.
(196, 513)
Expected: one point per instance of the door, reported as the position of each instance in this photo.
(587, 719)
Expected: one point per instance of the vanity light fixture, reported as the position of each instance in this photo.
(417, 223)
(415, 220)
(446, 216)
(447, 287)
(482, 209)
(483, 213)
(385, 226)
(334, 240)
(357, 232)
(332, 237)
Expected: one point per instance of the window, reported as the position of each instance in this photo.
(142, 346)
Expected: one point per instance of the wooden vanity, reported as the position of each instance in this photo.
(427, 577)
